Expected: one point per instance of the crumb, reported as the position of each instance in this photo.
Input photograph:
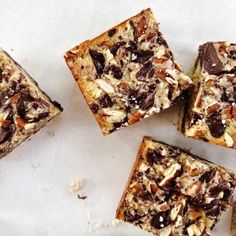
(12, 49)
(115, 222)
(50, 133)
(76, 185)
(100, 225)
(82, 197)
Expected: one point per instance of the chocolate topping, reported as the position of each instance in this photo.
(160, 220)
(143, 56)
(98, 60)
(115, 70)
(216, 127)
(106, 101)
(111, 32)
(209, 59)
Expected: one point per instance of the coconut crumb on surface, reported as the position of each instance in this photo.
(76, 185)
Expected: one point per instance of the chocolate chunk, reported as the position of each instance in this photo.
(160, 220)
(94, 107)
(43, 115)
(106, 101)
(195, 118)
(161, 40)
(113, 49)
(26, 96)
(21, 109)
(146, 196)
(13, 85)
(98, 60)
(131, 218)
(153, 156)
(170, 91)
(145, 100)
(212, 208)
(0, 75)
(232, 54)
(228, 195)
(148, 102)
(214, 191)
(207, 176)
(115, 70)
(144, 70)
(111, 32)
(196, 201)
(132, 47)
(152, 88)
(5, 134)
(224, 96)
(216, 127)
(209, 59)
(132, 97)
(143, 56)
(183, 96)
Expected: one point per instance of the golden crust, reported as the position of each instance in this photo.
(120, 210)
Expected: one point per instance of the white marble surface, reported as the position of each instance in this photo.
(34, 179)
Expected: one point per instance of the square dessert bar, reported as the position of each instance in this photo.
(171, 192)
(211, 112)
(24, 108)
(127, 73)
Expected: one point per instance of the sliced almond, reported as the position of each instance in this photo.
(113, 116)
(229, 140)
(105, 86)
(170, 173)
(175, 211)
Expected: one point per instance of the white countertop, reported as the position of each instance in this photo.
(34, 179)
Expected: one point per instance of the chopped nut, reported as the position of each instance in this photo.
(226, 113)
(113, 116)
(213, 108)
(194, 189)
(193, 215)
(135, 117)
(229, 140)
(154, 188)
(170, 173)
(175, 211)
(163, 207)
(105, 86)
